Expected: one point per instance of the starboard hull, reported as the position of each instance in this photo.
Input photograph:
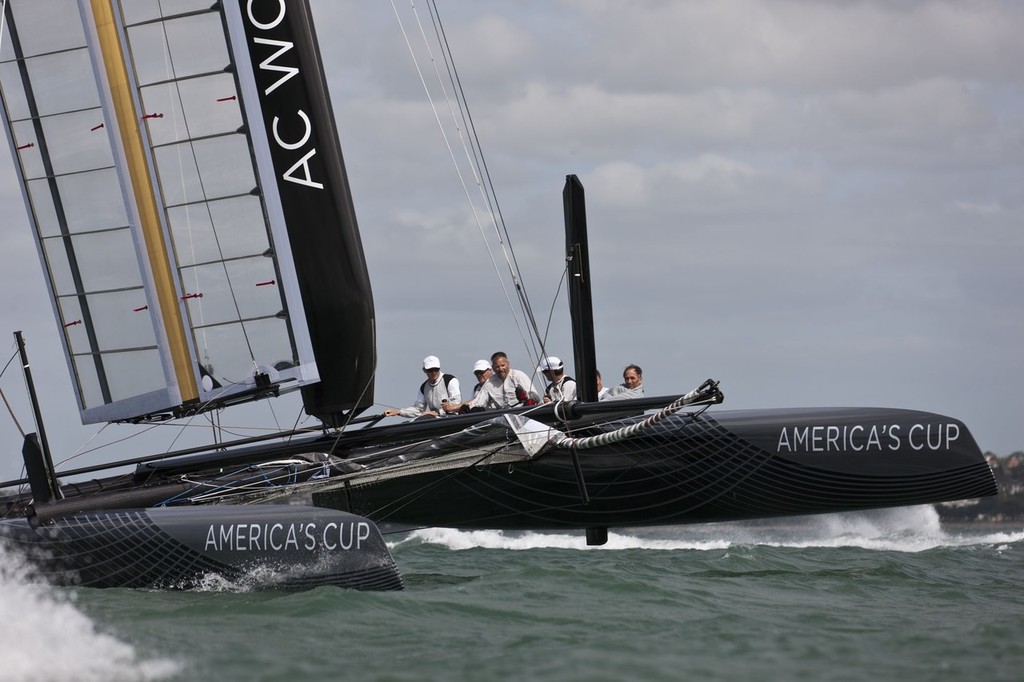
(689, 469)
(242, 547)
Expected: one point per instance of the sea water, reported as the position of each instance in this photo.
(878, 596)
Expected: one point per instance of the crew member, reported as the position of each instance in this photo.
(560, 387)
(437, 396)
(507, 387)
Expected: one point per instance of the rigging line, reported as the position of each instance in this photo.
(469, 148)
(81, 448)
(221, 487)
(11, 411)
(481, 172)
(4, 370)
(352, 413)
(551, 317)
(453, 76)
(458, 172)
(3, 22)
(451, 154)
(202, 189)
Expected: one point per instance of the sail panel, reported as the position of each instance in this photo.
(92, 200)
(141, 11)
(187, 111)
(230, 290)
(268, 339)
(206, 169)
(116, 324)
(199, 228)
(103, 261)
(46, 26)
(68, 76)
(175, 49)
(123, 376)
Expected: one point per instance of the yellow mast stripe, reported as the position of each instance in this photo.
(145, 197)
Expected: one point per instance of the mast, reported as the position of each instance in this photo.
(36, 453)
(581, 310)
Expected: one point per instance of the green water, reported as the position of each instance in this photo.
(858, 597)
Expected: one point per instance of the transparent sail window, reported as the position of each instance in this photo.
(128, 375)
(91, 201)
(44, 26)
(223, 359)
(120, 322)
(205, 169)
(65, 82)
(192, 108)
(137, 11)
(104, 260)
(225, 227)
(76, 141)
(231, 290)
(112, 346)
(178, 48)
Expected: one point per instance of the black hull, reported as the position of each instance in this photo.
(253, 547)
(729, 466)
(473, 471)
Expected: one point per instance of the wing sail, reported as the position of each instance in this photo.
(183, 177)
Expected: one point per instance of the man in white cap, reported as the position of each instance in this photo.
(482, 371)
(560, 387)
(437, 396)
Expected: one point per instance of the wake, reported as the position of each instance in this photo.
(906, 529)
(47, 638)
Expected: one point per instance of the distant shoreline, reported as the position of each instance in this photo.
(992, 525)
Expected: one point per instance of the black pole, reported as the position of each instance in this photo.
(51, 475)
(581, 309)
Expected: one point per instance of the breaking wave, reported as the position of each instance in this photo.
(46, 637)
(906, 529)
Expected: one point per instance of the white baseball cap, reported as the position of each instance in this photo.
(481, 366)
(431, 362)
(551, 363)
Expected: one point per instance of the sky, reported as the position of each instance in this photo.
(815, 203)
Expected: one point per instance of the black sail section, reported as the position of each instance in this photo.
(316, 202)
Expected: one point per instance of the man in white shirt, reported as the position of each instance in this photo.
(507, 387)
(631, 386)
(437, 396)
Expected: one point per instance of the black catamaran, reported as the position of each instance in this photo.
(184, 179)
